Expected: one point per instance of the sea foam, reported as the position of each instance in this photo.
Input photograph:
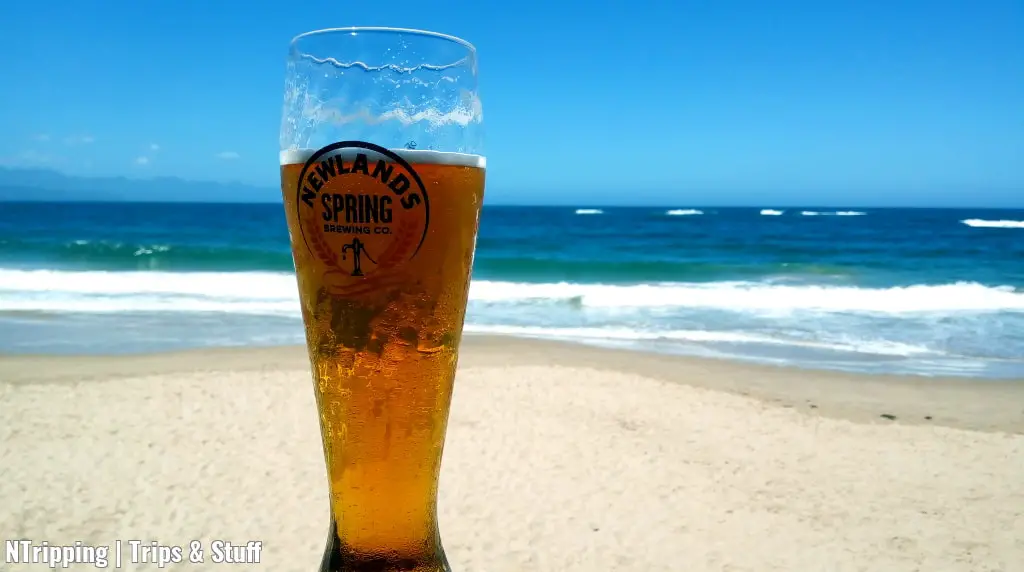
(761, 297)
(257, 293)
(276, 293)
(877, 347)
(981, 223)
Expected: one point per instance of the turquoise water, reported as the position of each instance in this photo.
(879, 290)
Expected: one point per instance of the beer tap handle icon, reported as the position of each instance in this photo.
(358, 250)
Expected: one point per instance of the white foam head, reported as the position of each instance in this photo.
(415, 156)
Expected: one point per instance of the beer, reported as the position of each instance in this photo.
(383, 243)
(382, 236)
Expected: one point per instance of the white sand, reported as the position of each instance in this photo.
(547, 466)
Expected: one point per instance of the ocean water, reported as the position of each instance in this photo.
(930, 292)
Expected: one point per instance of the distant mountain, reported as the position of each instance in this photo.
(50, 185)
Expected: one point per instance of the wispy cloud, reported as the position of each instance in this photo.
(27, 158)
(43, 137)
(154, 147)
(228, 155)
(79, 140)
(142, 160)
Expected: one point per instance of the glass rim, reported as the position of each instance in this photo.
(385, 29)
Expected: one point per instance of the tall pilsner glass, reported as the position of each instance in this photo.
(382, 172)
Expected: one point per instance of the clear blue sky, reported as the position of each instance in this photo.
(675, 103)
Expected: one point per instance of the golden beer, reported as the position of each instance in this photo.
(383, 243)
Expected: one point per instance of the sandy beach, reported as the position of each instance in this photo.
(558, 458)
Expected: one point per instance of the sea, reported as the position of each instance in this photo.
(913, 291)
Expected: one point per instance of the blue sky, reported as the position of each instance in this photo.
(712, 102)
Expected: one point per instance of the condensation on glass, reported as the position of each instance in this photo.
(382, 176)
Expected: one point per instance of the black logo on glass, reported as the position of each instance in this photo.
(362, 210)
(358, 249)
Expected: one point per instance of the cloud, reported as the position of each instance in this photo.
(28, 158)
(79, 139)
(44, 137)
(142, 160)
(228, 155)
(154, 147)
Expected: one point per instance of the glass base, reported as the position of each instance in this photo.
(339, 559)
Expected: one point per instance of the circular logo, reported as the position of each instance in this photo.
(363, 212)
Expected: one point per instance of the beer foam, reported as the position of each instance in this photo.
(414, 156)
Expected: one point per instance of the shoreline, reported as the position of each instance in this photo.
(979, 404)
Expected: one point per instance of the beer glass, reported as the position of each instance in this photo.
(382, 174)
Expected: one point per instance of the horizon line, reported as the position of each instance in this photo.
(542, 205)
